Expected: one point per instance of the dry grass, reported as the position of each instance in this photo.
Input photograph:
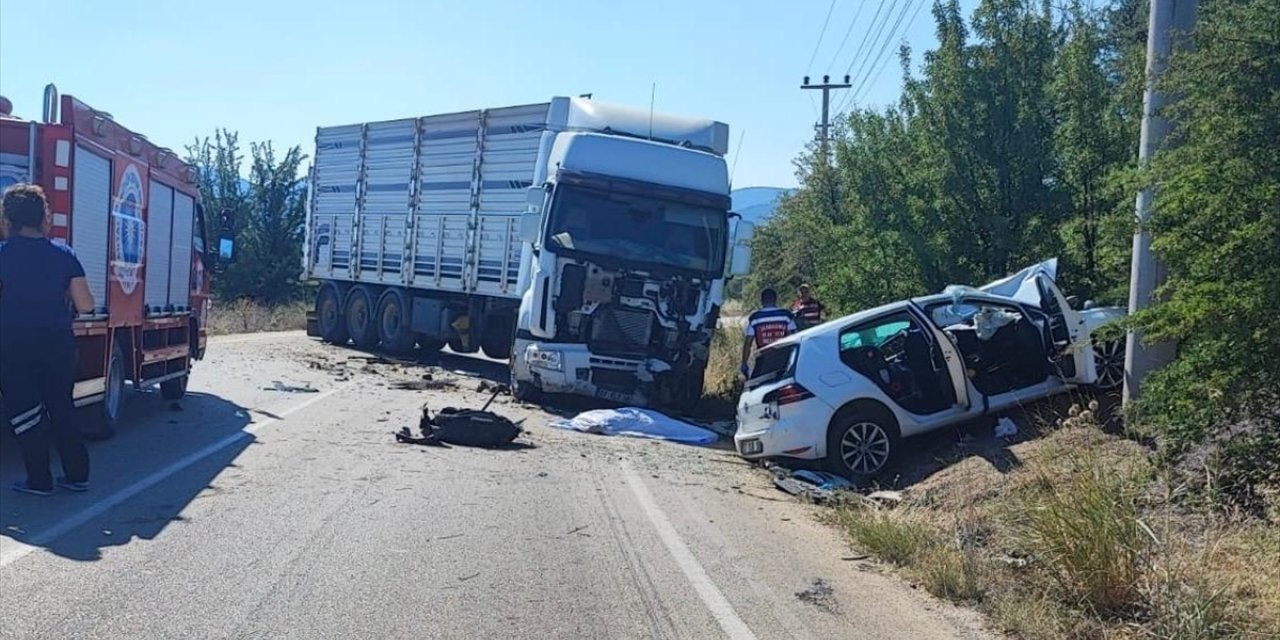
(722, 378)
(1081, 540)
(247, 316)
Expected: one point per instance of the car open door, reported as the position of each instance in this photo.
(950, 354)
(1036, 286)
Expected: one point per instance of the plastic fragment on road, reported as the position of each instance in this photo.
(637, 423)
(276, 385)
(1005, 428)
(818, 486)
(463, 427)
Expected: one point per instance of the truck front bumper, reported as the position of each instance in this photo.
(573, 369)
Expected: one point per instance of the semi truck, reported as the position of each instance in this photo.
(130, 210)
(588, 243)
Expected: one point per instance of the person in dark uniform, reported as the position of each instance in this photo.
(765, 326)
(38, 280)
(807, 310)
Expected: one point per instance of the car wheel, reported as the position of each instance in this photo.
(1108, 359)
(863, 444)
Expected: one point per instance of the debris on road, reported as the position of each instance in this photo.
(1005, 428)
(885, 497)
(637, 423)
(463, 427)
(276, 385)
(819, 594)
(425, 384)
(817, 486)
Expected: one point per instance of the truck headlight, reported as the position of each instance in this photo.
(542, 359)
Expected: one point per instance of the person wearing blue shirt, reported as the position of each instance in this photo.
(40, 281)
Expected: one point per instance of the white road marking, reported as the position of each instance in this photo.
(13, 550)
(716, 603)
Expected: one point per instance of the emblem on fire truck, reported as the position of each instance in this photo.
(129, 230)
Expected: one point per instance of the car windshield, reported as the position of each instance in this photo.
(663, 232)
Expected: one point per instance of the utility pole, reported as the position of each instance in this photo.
(1168, 24)
(825, 126)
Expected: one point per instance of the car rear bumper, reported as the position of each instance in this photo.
(781, 438)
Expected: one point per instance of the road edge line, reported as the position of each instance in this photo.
(719, 606)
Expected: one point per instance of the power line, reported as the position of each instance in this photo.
(823, 32)
(873, 57)
(864, 53)
(882, 60)
(848, 31)
(862, 44)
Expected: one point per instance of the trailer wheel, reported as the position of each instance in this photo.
(360, 318)
(394, 323)
(330, 317)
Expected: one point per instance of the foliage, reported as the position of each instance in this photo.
(1216, 228)
(269, 213)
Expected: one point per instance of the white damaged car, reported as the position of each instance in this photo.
(848, 391)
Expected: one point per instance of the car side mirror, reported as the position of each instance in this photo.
(1073, 302)
(740, 249)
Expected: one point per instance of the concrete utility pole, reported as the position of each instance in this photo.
(1167, 27)
(825, 126)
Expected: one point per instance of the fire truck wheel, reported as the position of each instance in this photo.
(176, 388)
(361, 318)
(330, 316)
(394, 323)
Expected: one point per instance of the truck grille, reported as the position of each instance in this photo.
(614, 380)
(626, 330)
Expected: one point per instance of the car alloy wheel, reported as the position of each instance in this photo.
(864, 448)
(1109, 361)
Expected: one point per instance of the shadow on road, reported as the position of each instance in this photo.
(161, 461)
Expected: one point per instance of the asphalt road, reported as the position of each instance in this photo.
(255, 511)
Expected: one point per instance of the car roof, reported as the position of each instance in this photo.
(836, 324)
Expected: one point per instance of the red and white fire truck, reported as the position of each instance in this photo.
(131, 212)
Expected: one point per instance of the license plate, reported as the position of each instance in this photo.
(612, 396)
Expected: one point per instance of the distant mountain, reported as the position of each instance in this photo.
(756, 204)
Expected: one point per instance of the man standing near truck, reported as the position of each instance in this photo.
(807, 310)
(765, 326)
(37, 348)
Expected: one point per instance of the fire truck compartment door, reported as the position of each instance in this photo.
(91, 217)
(159, 223)
(184, 212)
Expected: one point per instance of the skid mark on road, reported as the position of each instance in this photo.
(716, 603)
(13, 550)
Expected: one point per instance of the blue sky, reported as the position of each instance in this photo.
(274, 70)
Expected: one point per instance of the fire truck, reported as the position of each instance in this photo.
(130, 210)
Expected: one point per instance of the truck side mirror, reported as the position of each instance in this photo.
(226, 236)
(535, 197)
(740, 249)
(530, 226)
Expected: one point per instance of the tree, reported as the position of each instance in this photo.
(269, 212)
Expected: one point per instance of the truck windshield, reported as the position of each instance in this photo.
(662, 232)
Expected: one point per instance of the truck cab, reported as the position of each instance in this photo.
(631, 242)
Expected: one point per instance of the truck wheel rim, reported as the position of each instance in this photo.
(391, 321)
(864, 448)
(359, 316)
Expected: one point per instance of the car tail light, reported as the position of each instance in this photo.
(788, 394)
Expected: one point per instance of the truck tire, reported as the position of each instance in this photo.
(330, 316)
(497, 339)
(430, 345)
(361, 318)
(177, 387)
(103, 417)
(394, 328)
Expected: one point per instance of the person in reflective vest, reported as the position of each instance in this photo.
(807, 310)
(765, 326)
(39, 283)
